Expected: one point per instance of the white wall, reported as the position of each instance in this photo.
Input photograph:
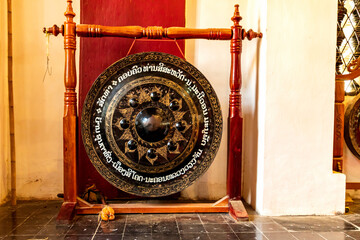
(38, 103)
(212, 58)
(300, 40)
(4, 108)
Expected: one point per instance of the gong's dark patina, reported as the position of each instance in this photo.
(151, 124)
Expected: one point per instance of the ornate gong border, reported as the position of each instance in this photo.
(205, 157)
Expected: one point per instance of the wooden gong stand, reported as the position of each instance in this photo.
(231, 203)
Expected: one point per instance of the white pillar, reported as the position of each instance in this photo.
(293, 106)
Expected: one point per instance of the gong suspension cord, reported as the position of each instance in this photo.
(48, 69)
(179, 48)
(148, 40)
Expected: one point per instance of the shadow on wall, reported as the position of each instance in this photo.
(251, 122)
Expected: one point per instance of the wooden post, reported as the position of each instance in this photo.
(67, 210)
(339, 126)
(11, 107)
(235, 120)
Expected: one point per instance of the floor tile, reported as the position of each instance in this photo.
(354, 234)
(78, 237)
(138, 228)
(188, 218)
(165, 227)
(108, 237)
(111, 228)
(194, 236)
(335, 235)
(81, 230)
(165, 236)
(37, 220)
(86, 220)
(307, 235)
(26, 230)
(251, 236)
(51, 230)
(353, 218)
(243, 227)
(223, 236)
(49, 237)
(9, 224)
(219, 228)
(140, 218)
(212, 218)
(137, 236)
(270, 227)
(191, 228)
(18, 237)
(315, 223)
(279, 236)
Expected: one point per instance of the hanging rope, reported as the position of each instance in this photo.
(150, 40)
(48, 68)
(179, 48)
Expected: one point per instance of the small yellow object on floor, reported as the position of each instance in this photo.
(107, 213)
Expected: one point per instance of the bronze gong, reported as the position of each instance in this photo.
(151, 124)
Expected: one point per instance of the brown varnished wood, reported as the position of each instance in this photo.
(152, 32)
(250, 34)
(11, 106)
(70, 116)
(338, 164)
(237, 210)
(235, 119)
(54, 30)
(339, 120)
(339, 130)
(339, 91)
(223, 206)
(353, 185)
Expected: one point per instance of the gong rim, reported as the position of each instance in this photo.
(198, 165)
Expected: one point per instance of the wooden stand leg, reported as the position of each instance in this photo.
(67, 210)
(339, 126)
(235, 127)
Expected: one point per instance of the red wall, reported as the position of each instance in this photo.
(96, 54)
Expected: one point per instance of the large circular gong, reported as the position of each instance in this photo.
(151, 124)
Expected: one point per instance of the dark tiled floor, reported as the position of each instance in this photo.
(36, 220)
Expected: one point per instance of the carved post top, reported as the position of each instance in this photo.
(236, 18)
(54, 30)
(250, 34)
(69, 13)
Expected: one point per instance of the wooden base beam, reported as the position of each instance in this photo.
(67, 212)
(238, 211)
(218, 207)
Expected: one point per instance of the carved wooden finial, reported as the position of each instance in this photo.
(250, 34)
(236, 18)
(69, 13)
(54, 30)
